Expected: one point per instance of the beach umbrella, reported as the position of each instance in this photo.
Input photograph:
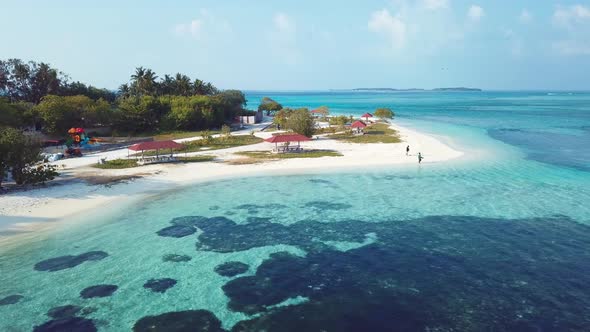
(367, 116)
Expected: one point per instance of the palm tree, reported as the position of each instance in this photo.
(210, 89)
(200, 87)
(183, 85)
(148, 85)
(166, 85)
(143, 82)
(124, 90)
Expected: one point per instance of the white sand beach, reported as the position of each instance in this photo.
(42, 208)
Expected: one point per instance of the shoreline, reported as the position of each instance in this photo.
(30, 213)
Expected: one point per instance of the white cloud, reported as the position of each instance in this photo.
(393, 28)
(525, 16)
(574, 23)
(203, 26)
(435, 4)
(283, 23)
(411, 29)
(194, 28)
(475, 13)
(569, 16)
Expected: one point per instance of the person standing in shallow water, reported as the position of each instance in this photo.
(408, 150)
(420, 158)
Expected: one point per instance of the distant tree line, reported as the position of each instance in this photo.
(30, 81)
(35, 94)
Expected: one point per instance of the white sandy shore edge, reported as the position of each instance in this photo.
(39, 209)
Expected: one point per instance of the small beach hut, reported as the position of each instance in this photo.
(367, 116)
(287, 138)
(155, 145)
(358, 126)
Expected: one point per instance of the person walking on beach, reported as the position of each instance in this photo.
(408, 150)
(420, 158)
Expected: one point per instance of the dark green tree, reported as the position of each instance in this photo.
(30, 81)
(140, 114)
(384, 113)
(58, 115)
(182, 85)
(269, 106)
(301, 122)
(20, 153)
(10, 115)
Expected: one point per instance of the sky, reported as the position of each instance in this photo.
(309, 45)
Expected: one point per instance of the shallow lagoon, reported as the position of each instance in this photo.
(497, 241)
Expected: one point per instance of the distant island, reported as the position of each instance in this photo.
(458, 89)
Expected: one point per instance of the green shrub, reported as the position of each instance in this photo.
(225, 131)
(117, 164)
(38, 174)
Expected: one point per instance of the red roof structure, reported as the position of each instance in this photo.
(155, 145)
(316, 111)
(358, 124)
(287, 138)
(367, 115)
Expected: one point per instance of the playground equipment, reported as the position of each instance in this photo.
(77, 140)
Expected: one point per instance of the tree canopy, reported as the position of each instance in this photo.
(144, 82)
(269, 106)
(324, 111)
(301, 122)
(36, 94)
(384, 113)
(19, 154)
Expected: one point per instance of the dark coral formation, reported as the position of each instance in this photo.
(187, 221)
(426, 274)
(231, 269)
(255, 208)
(177, 231)
(325, 205)
(70, 324)
(160, 285)
(190, 320)
(69, 261)
(223, 235)
(64, 311)
(98, 291)
(11, 299)
(175, 258)
(321, 181)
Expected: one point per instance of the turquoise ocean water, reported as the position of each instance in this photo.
(496, 241)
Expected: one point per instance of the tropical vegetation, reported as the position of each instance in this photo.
(304, 154)
(35, 96)
(298, 120)
(20, 155)
(384, 113)
(376, 133)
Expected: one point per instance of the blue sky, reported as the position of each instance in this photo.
(307, 45)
